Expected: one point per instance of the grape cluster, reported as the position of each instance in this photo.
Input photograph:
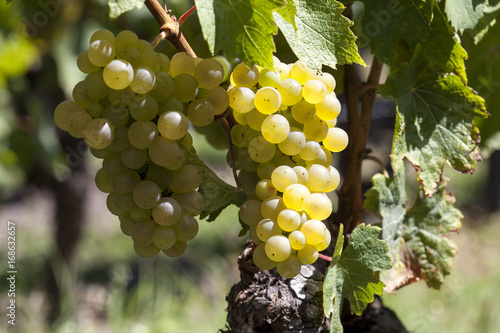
(284, 140)
(133, 109)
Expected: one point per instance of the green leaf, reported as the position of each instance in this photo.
(119, 7)
(353, 276)
(217, 194)
(322, 35)
(387, 23)
(434, 121)
(240, 28)
(419, 249)
(467, 14)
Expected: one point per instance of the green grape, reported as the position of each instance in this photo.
(84, 64)
(290, 267)
(301, 73)
(186, 228)
(209, 73)
(134, 158)
(248, 181)
(159, 175)
(288, 220)
(181, 63)
(265, 189)
(163, 88)
(118, 74)
(267, 228)
(271, 207)
(126, 38)
(275, 128)
(250, 212)
(290, 91)
(113, 164)
(122, 97)
(241, 135)
(267, 100)
(171, 104)
(120, 141)
(315, 129)
(101, 153)
(260, 150)
(219, 99)
(126, 223)
(63, 111)
(254, 237)
(308, 255)
(335, 179)
(77, 123)
(302, 174)
(314, 91)
(268, 78)
(186, 179)
(303, 111)
(167, 212)
(297, 240)
(143, 107)
(282, 69)
(278, 248)
(265, 170)
(260, 258)
(187, 141)
(319, 178)
(144, 80)
(255, 119)
(164, 237)
(241, 99)
(328, 108)
(328, 80)
(130, 54)
(95, 85)
(241, 118)
(282, 159)
(294, 143)
(297, 197)
(181, 160)
(331, 123)
(144, 46)
(99, 133)
(142, 134)
(139, 214)
(165, 63)
(101, 52)
(142, 232)
(110, 204)
(324, 158)
(185, 87)
(336, 140)
(244, 76)
(96, 110)
(164, 152)
(102, 34)
(200, 112)
(177, 250)
(80, 95)
(124, 201)
(192, 203)
(323, 245)
(125, 181)
(311, 151)
(173, 125)
(282, 177)
(116, 115)
(151, 60)
(314, 230)
(102, 181)
(146, 194)
(320, 207)
(146, 252)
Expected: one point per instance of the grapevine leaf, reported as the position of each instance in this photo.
(322, 35)
(389, 24)
(434, 121)
(353, 275)
(288, 13)
(469, 14)
(119, 7)
(419, 249)
(240, 28)
(216, 193)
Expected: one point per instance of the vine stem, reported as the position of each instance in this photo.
(169, 28)
(186, 15)
(379, 162)
(324, 257)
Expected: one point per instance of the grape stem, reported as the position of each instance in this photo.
(227, 128)
(169, 28)
(379, 162)
(186, 15)
(324, 257)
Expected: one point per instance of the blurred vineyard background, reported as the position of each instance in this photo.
(78, 273)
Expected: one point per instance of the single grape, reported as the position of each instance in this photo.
(126, 223)
(146, 194)
(101, 52)
(303, 111)
(151, 60)
(294, 142)
(142, 134)
(336, 140)
(126, 38)
(255, 119)
(297, 240)
(328, 108)
(320, 207)
(192, 203)
(102, 179)
(302, 174)
(77, 123)
(181, 63)
(271, 207)
(328, 80)
(175, 251)
(335, 179)
(186, 228)
(265, 189)
(307, 255)
(244, 76)
(142, 232)
(250, 212)
(260, 258)
(200, 112)
(315, 129)
(164, 152)
(125, 181)
(219, 99)
(118, 74)
(278, 248)
(139, 214)
(311, 150)
(164, 237)
(146, 252)
(260, 150)
(185, 87)
(167, 211)
(319, 178)
(144, 80)
(131, 55)
(241, 99)
(63, 111)
(290, 267)
(267, 100)
(209, 73)
(163, 88)
(124, 201)
(84, 64)
(268, 78)
(99, 133)
(314, 230)
(80, 95)
(297, 197)
(275, 128)
(173, 125)
(265, 170)
(301, 73)
(314, 91)
(186, 179)
(288, 219)
(95, 85)
(290, 91)
(282, 177)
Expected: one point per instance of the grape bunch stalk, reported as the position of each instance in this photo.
(285, 137)
(134, 109)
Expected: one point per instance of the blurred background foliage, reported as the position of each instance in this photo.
(79, 273)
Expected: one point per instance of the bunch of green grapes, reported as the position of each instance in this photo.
(285, 137)
(133, 110)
